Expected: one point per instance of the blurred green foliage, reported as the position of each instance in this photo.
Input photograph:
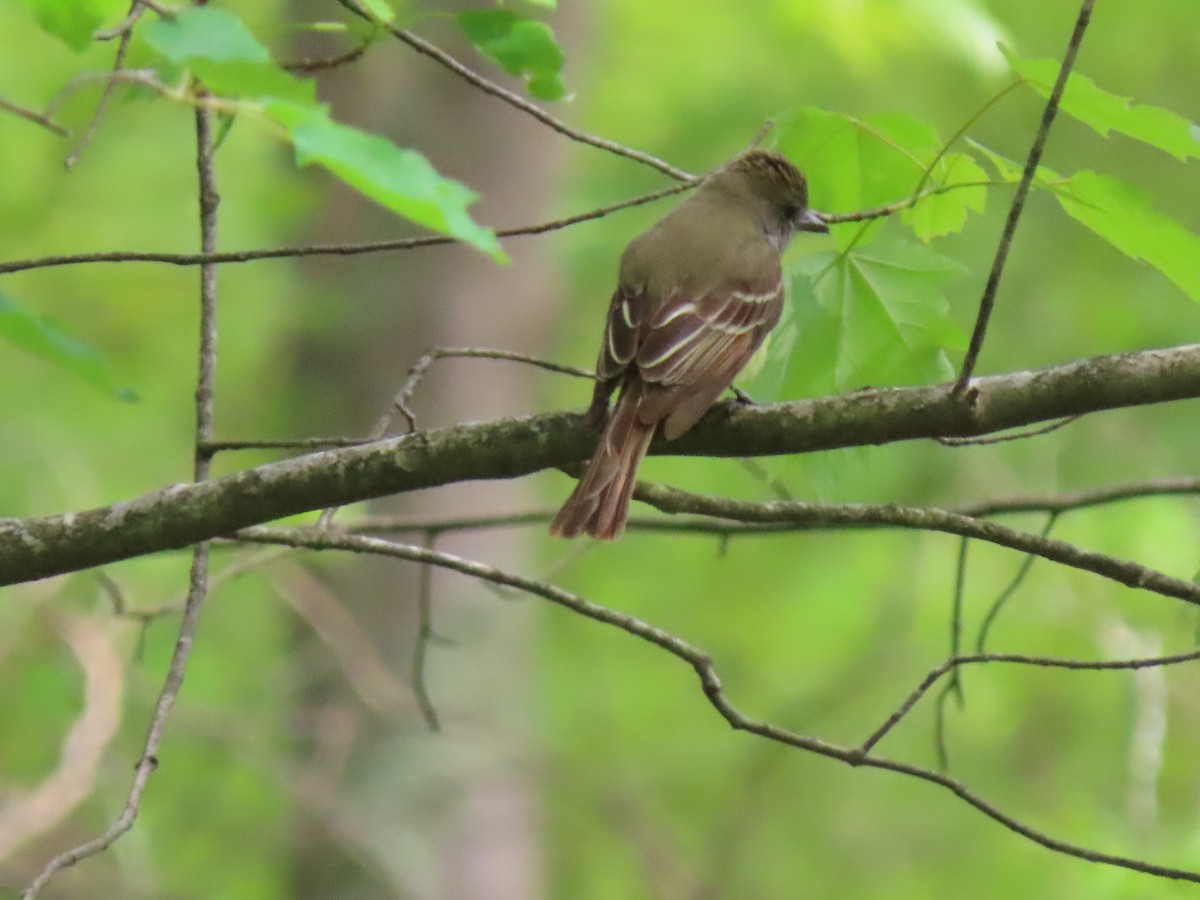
(643, 791)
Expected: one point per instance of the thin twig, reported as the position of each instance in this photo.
(767, 127)
(1005, 438)
(1121, 571)
(425, 48)
(198, 576)
(988, 301)
(702, 664)
(424, 635)
(125, 26)
(37, 118)
(105, 96)
(890, 209)
(433, 354)
(305, 66)
(941, 745)
(960, 134)
(956, 616)
(1057, 504)
(241, 256)
(1010, 589)
(417, 372)
(1060, 503)
(954, 687)
(143, 77)
(1047, 662)
(760, 473)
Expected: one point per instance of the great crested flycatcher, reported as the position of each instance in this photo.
(697, 294)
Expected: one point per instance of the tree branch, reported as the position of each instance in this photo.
(710, 683)
(988, 300)
(198, 575)
(1122, 571)
(184, 514)
(955, 663)
(516, 101)
(241, 256)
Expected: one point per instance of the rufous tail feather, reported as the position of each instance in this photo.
(599, 505)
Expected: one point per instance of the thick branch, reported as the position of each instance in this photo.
(184, 514)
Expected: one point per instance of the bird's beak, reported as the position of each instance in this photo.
(811, 221)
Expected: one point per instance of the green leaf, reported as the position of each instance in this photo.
(522, 47)
(380, 10)
(252, 80)
(765, 374)
(74, 21)
(946, 212)
(220, 50)
(873, 316)
(1011, 171)
(205, 32)
(853, 164)
(1105, 112)
(401, 180)
(41, 337)
(1122, 214)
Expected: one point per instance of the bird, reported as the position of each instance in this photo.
(696, 295)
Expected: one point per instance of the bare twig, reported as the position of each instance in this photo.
(1077, 665)
(959, 135)
(988, 301)
(433, 354)
(767, 127)
(953, 687)
(1005, 438)
(306, 66)
(425, 48)
(145, 77)
(941, 745)
(37, 118)
(890, 209)
(1057, 504)
(425, 633)
(417, 372)
(1010, 589)
(241, 256)
(125, 26)
(956, 616)
(1122, 571)
(1061, 503)
(198, 577)
(759, 472)
(710, 683)
(118, 62)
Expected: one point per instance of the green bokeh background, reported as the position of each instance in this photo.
(640, 789)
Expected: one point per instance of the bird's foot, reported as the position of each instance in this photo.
(742, 397)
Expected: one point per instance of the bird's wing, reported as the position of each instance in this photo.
(622, 328)
(692, 349)
(689, 337)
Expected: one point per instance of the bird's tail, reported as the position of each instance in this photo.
(599, 504)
